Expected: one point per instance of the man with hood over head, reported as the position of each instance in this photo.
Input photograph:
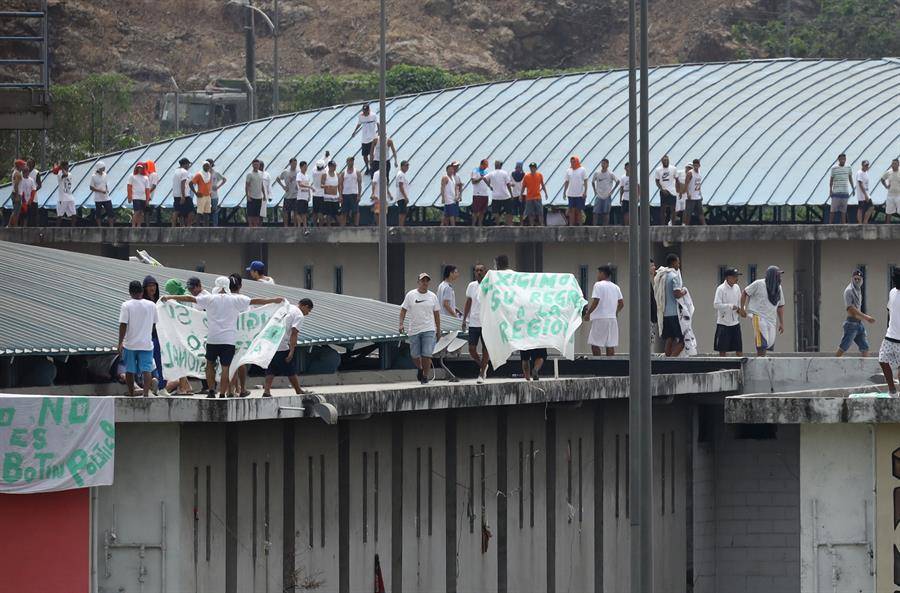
(854, 330)
(763, 300)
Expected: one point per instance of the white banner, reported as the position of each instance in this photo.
(56, 443)
(522, 311)
(182, 338)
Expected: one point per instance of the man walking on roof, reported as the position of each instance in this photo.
(854, 330)
(137, 319)
(423, 311)
(764, 301)
(368, 123)
(285, 363)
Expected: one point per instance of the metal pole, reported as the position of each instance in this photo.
(787, 30)
(645, 431)
(382, 162)
(250, 53)
(275, 60)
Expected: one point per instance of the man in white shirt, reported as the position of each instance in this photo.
(471, 322)
(625, 193)
(865, 206)
(681, 200)
(481, 188)
(181, 194)
(402, 196)
(287, 179)
(27, 187)
(284, 363)
(376, 195)
(368, 123)
(138, 194)
(763, 300)
(606, 302)
(17, 176)
(255, 193)
(103, 209)
(889, 353)
(350, 182)
(218, 180)
(450, 196)
(727, 304)
(502, 203)
(424, 312)
(668, 191)
(693, 182)
(446, 295)
(304, 194)
(137, 317)
(891, 181)
(65, 203)
(223, 307)
(575, 190)
(604, 183)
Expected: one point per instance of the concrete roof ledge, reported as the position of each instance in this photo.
(821, 406)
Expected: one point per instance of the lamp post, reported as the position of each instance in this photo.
(250, 50)
(382, 160)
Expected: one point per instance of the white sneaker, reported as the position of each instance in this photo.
(164, 393)
(480, 379)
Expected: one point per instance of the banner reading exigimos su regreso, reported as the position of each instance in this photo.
(523, 311)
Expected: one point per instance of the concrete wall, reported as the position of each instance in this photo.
(778, 374)
(837, 504)
(358, 263)
(215, 259)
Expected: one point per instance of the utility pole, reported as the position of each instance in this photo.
(250, 57)
(382, 161)
(787, 30)
(275, 60)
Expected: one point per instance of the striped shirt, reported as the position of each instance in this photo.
(840, 177)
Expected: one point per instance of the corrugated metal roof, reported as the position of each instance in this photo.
(767, 131)
(59, 302)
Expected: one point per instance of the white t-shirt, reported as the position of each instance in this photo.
(222, 311)
(893, 330)
(99, 181)
(448, 196)
(180, 174)
(420, 309)
(293, 320)
(399, 180)
(376, 179)
(303, 194)
(893, 180)
(608, 295)
(65, 187)
(139, 186)
(694, 191)
(473, 292)
(625, 183)
(446, 293)
(351, 183)
(479, 188)
(759, 301)
(153, 179)
(332, 181)
(499, 180)
(368, 127)
(862, 178)
(266, 280)
(140, 315)
(577, 182)
(604, 182)
(666, 178)
(26, 186)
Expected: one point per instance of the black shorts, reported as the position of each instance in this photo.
(625, 206)
(290, 205)
(672, 328)
(224, 353)
(302, 207)
(401, 206)
(317, 204)
(104, 209)
(533, 355)
(139, 205)
(279, 367)
(728, 338)
(666, 199)
(349, 203)
(254, 207)
(330, 208)
(866, 205)
(475, 336)
(375, 165)
(507, 206)
(184, 205)
(366, 149)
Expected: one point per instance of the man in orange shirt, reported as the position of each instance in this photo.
(533, 185)
(201, 186)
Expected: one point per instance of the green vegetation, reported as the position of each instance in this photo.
(841, 29)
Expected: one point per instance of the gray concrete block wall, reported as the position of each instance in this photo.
(670, 443)
(704, 506)
(616, 508)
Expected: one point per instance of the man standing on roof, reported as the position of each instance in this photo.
(865, 207)
(376, 196)
(854, 330)
(65, 203)
(287, 179)
(450, 196)
(575, 190)
(18, 175)
(681, 201)
(606, 302)
(446, 294)
(625, 193)
(138, 194)
(332, 197)
(103, 209)
(137, 320)
(503, 205)
(424, 312)
(350, 183)
(152, 177)
(267, 191)
(889, 353)
(255, 194)
(764, 301)
(201, 186)
(533, 185)
(480, 189)
(32, 201)
(374, 158)
(891, 181)
(368, 123)
(402, 197)
(181, 193)
(694, 183)
(218, 180)
(285, 363)
(669, 281)
(257, 271)
(515, 188)
(727, 303)
(318, 192)
(665, 183)
(471, 322)
(840, 186)
(604, 183)
(304, 194)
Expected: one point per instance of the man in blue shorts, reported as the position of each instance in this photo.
(137, 318)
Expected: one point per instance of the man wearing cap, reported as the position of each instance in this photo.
(181, 194)
(218, 180)
(854, 330)
(103, 209)
(606, 302)
(318, 192)
(255, 193)
(257, 271)
(424, 312)
(284, 363)
(763, 300)
(727, 304)
(137, 318)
